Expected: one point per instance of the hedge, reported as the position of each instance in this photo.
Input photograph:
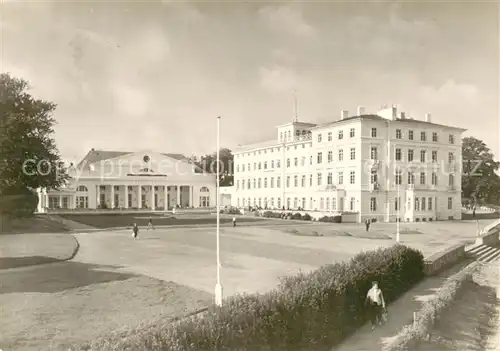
(411, 335)
(331, 219)
(315, 310)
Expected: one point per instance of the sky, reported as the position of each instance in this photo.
(154, 75)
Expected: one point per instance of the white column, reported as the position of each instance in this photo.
(139, 196)
(112, 196)
(126, 197)
(45, 199)
(190, 197)
(152, 197)
(178, 195)
(60, 201)
(165, 198)
(98, 195)
(74, 201)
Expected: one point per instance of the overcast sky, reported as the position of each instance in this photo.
(154, 75)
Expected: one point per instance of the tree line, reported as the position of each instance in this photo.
(27, 133)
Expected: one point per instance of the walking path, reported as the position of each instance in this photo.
(401, 311)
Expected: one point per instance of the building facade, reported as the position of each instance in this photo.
(132, 180)
(384, 166)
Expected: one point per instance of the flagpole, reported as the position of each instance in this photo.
(218, 286)
(398, 219)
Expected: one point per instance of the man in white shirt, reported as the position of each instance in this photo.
(375, 304)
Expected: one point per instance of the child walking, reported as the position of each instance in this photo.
(375, 304)
(150, 223)
(135, 231)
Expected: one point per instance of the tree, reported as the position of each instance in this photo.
(28, 154)
(226, 168)
(479, 179)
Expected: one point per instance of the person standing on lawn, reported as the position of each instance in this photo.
(234, 221)
(135, 230)
(367, 224)
(375, 304)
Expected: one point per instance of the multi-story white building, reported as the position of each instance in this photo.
(132, 180)
(381, 166)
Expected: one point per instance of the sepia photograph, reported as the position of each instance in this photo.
(183, 175)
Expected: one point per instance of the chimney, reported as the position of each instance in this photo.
(344, 114)
(361, 110)
(402, 115)
(427, 117)
(394, 112)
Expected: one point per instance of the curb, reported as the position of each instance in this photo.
(75, 250)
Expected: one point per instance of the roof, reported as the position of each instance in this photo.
(378, 118)
(94, 156)
(258, 145)
(299, 123)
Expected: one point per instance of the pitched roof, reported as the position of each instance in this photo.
(94, 156)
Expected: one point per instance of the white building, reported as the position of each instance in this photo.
(132, 180)
(381, 166)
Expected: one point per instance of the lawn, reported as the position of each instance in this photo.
(116, 220)
(37, 224)
(53, 306)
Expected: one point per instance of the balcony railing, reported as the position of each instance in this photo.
(303, 137)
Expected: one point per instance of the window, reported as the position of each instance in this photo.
(353, 153)
(310, 160)
(278, 182)
(410, 155)
(373, 204)
(258, 182)
(295, 161)
(422, 204)
(265, 182)
(341, 134)
(329, 179)
(295, 202)
(319, 138)
(434, 156)
(288, 181)
(303, 161)
(341, 155)
(82, 188)
(296, 181)
(319, 178)
(278, 202)
(422, 156)
(303, 181)
(327, 201)
(352, 203)
(398, 155)
(398, 134)
(451, 139)
(429, 204)
(237, 185)
(281, 136)
(330, 136)
(260, 166)
(435, 137)
(410, 135)
(334, 203)
(287, 162)
(423, 136)
(352, 132)
(320, 157)
(248, 184)
(450, 203)
(310, 180)
(237, 168)
(434, 178)
(249, 167)
(373, 153)
(243, 167)
(374, 132)
(451, 157)
(278, 164)
(272, 202)
(411, 178)
(399, 177)
(451, 180)
(352, 177)
(254, 183)
(303, 202)
(417, 204)
(422, 178)
(265, 164)
(341, 177)
(373, 176)
(397, 201)
(271, 182)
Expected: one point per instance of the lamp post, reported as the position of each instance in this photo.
(398, 217)
(218, 286)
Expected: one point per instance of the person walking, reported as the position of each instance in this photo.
(150, 223)
(375, 304)
(135, 231)
(234, 222)
(474, 212)
(367, 224)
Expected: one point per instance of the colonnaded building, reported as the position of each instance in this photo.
(132, 180)
(383, 165)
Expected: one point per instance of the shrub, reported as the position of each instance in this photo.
(309, 311)
(331, 219)
(297, 216)
(18, 202)
(411, 335)
(306, 217)
(231, 211)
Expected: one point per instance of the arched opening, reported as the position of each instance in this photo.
(204, 197)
